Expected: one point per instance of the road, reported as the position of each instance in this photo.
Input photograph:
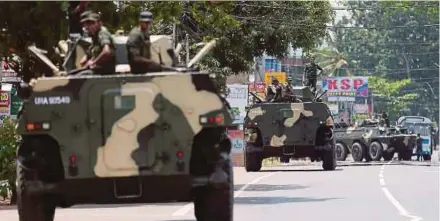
(306, 193)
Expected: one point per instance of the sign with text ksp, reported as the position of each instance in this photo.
(345, 88)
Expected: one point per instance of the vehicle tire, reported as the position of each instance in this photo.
(32, 207)
(329, 158)
(387, 156)
(357, 152)
(406, 155)
(284, 159)
(341, 152)
(427, 157)
(375, 151)
(252, 161)
(215, 203)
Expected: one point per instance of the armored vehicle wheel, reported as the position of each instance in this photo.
(215, 203)
(375, 151)
(357, 152)
(32, 207)
(426, 157)
(387, 156)
(341, 152)
(252, 160)
(329, 159)
(406, 155)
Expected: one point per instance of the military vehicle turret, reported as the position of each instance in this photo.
(289, 130)
(371, 141)
(123, 138)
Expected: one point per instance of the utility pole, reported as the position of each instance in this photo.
(174, 35)
(187, 47)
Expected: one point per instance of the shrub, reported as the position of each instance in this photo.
(9, 140)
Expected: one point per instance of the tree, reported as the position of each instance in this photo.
(396, 41)
(8, 146)
(387, 94)
(244, 29)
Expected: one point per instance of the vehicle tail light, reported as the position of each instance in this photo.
(219, 119)
(252, 123)
(179, 154)
(37, 126)
(72, 159)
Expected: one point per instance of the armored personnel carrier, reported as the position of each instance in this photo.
(123, 138)
(372, 142)
(289, 130)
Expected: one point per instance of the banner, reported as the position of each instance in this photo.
(238, 99)
(5, 99)
(334, 108)
(280, 76)
(361, 108)
(345, 88)
(258, 88)
(237, 140)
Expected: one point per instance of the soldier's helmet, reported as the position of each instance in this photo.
(146, 16)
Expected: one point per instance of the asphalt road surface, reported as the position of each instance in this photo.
(306, 193)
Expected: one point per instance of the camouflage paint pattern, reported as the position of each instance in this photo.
(286, 124)
(366, 135)
(124, 125)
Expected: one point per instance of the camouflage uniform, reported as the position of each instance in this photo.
(274, 92)
(311, 74)
(101, 38)
(138, 44)
(288, 90)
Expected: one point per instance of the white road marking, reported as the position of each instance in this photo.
(390, 197)
(188, 207)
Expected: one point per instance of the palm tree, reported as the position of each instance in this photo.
(330, 59)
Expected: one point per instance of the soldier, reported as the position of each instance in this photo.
(274, 91)
(138, 46)
(311, 74)
(100, 58)
(288, 91)
(385, 119)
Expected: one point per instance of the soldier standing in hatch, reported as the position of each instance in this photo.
(100, 58)
(138, 46)
(288, 90)
(274, 91)
(310, 75)
(385, 119)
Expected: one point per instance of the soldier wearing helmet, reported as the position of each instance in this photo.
(274, 91)
(138, 46)
(311, 74)
(288, 90)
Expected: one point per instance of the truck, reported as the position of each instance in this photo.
(289, 130)
(123, 138)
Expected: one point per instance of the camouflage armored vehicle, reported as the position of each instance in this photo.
(372, 142)
(157, 137)
(289, 130)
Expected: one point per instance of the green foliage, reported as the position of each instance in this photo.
(403, 46)
(9, 140)
(245, 29)
(386, 93)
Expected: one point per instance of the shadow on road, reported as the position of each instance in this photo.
(299, 170)
(268, 187)
(277, 200)
(179, 220)
(91, 206)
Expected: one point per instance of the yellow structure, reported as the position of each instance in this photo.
(280, 76)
